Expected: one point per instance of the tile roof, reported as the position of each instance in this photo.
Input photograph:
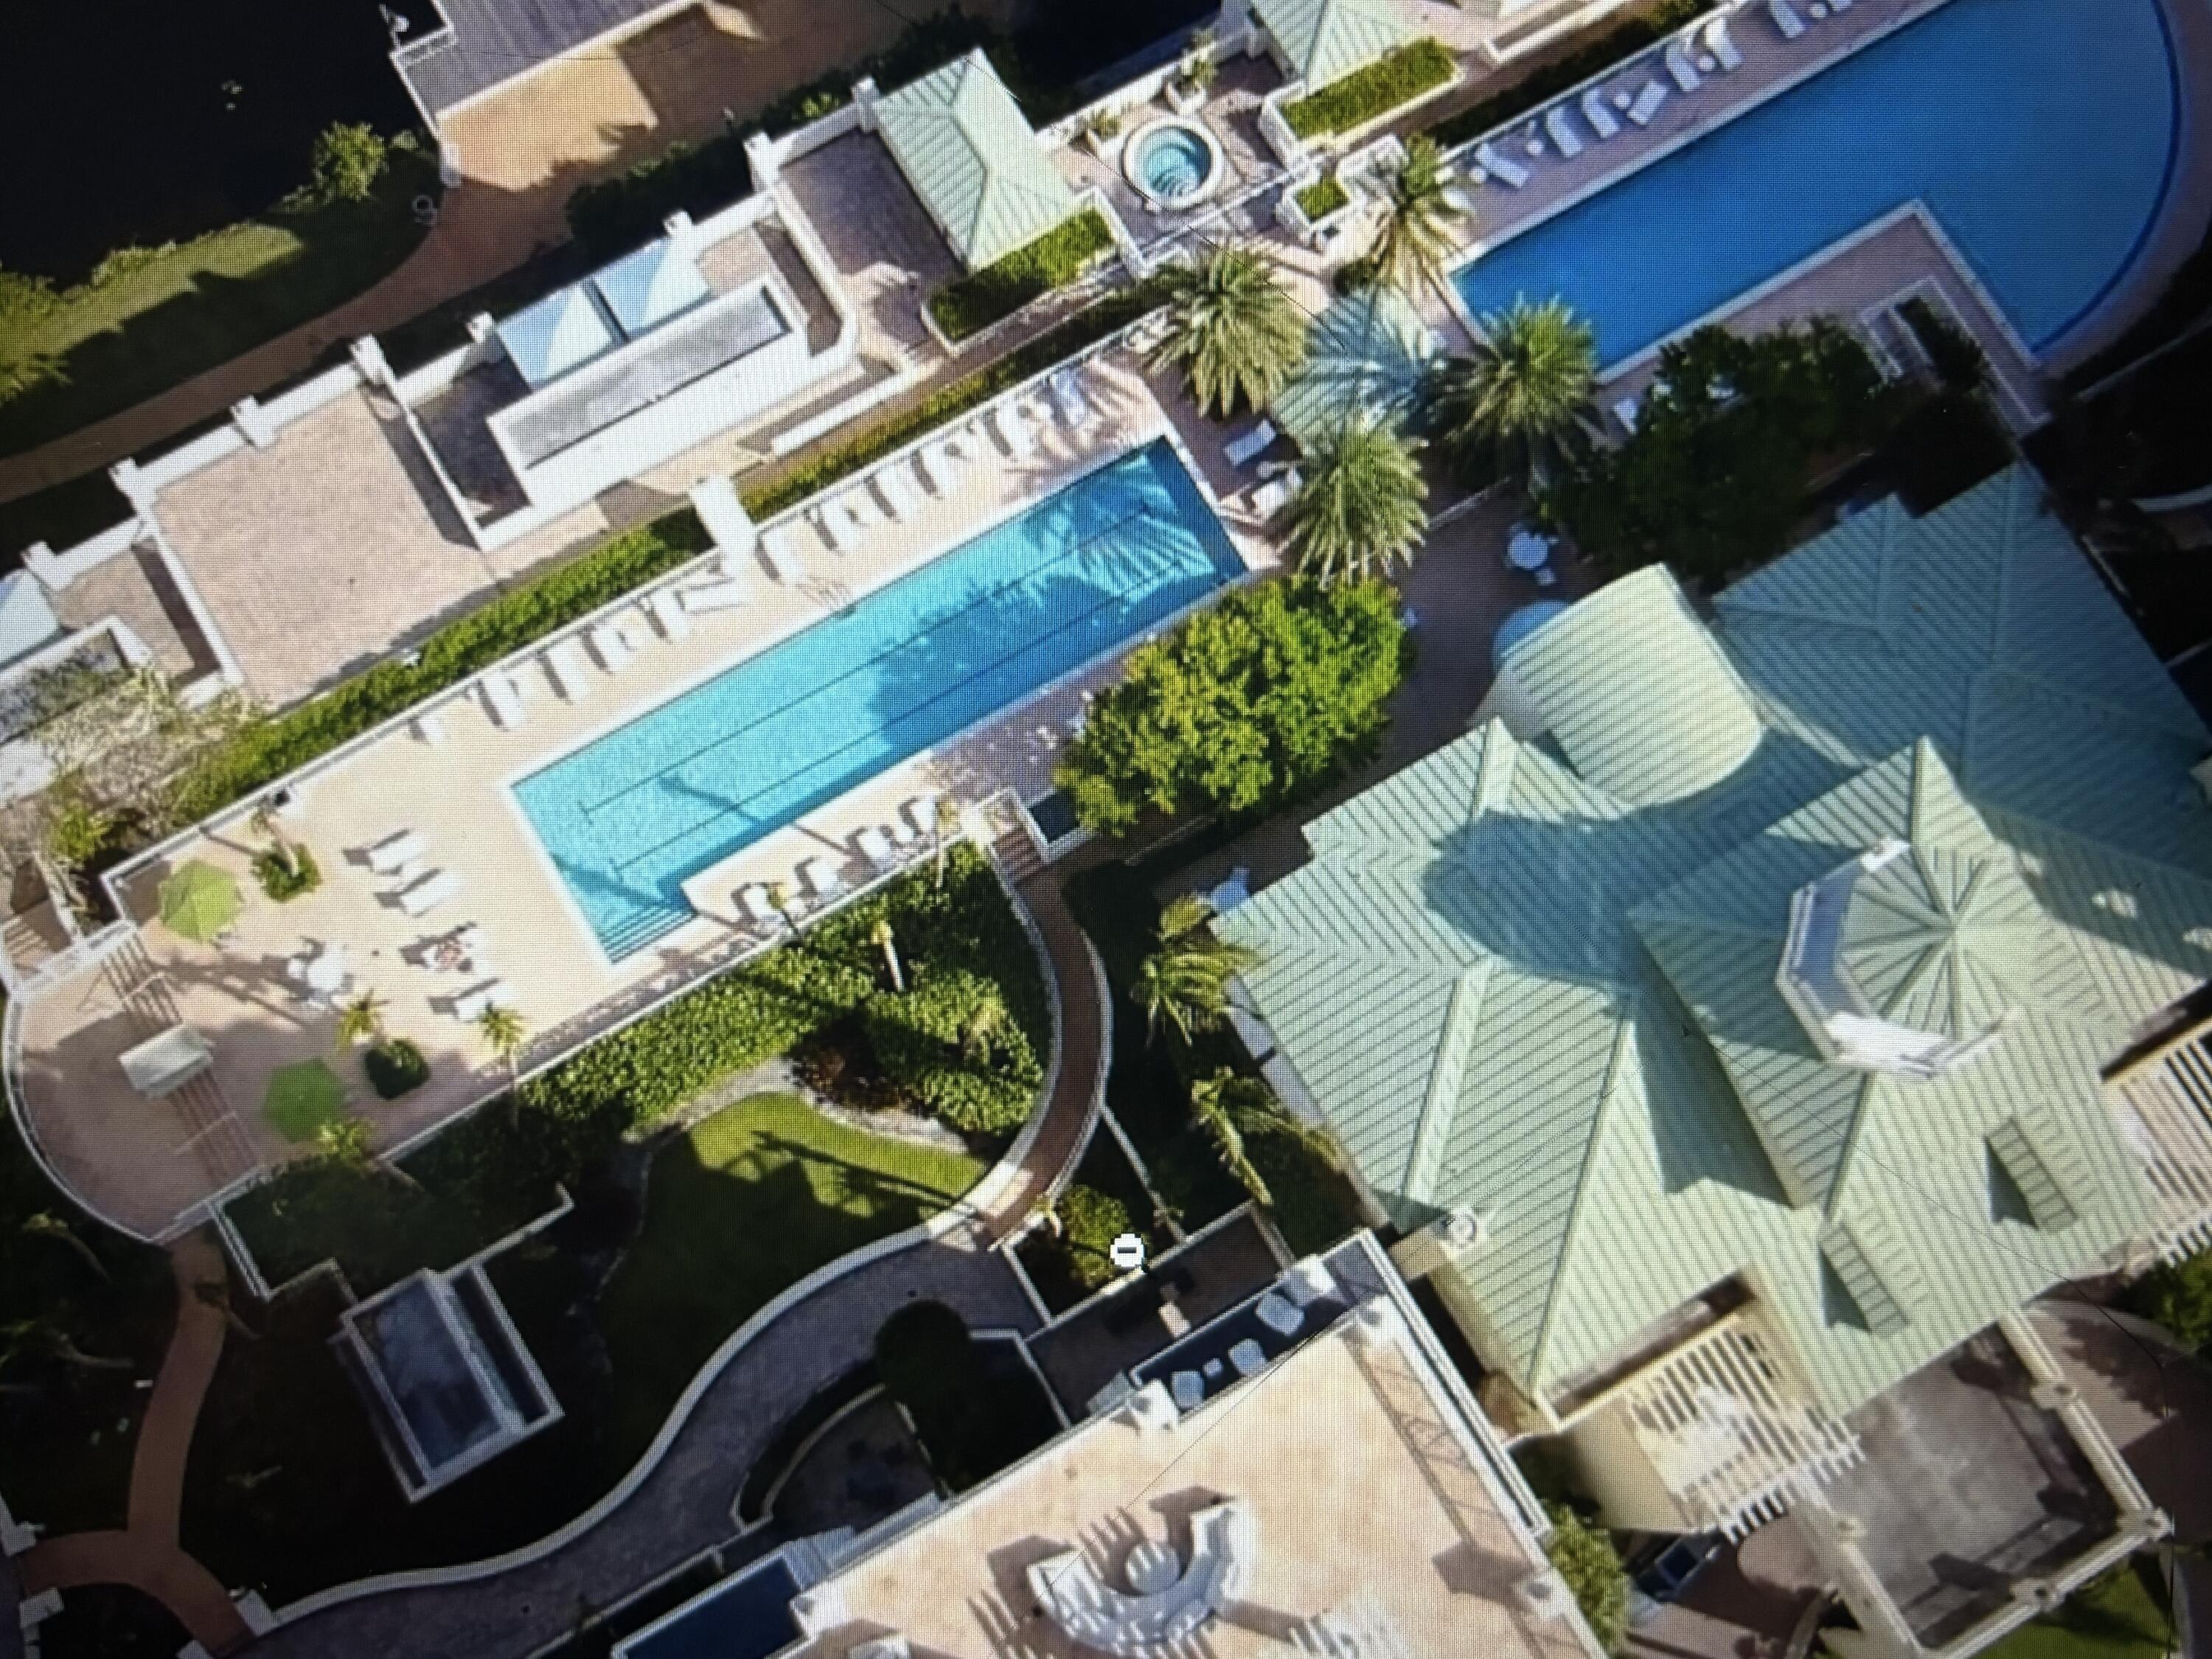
(1326, 40)
(1570, 1020)
(969, 152)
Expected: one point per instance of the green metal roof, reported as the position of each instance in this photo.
(1366, 356)
(1942, 941)
(967, 150)
(1326, 40)
(1567, 1015)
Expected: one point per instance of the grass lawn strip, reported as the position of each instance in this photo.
(746, 1203)
(2121, 1615)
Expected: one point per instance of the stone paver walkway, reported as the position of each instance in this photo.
(145, 1554)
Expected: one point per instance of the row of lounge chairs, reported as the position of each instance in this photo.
(1790, 25)
(404, 859)
(884, 850)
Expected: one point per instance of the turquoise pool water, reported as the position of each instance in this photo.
(2040, 133)
(630, 816)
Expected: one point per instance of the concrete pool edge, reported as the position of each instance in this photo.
(1227, 557)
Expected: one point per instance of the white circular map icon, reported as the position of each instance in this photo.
(1127, 1252)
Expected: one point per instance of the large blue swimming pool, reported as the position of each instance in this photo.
(2040, 133)
(629, 816)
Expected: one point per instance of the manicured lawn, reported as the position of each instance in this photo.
(748, 1202)
(2121, 1615)
(181, 312)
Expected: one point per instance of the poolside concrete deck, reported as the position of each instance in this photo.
(143, 1163)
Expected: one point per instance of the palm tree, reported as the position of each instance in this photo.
(362, 1020)
(944, 824)
(884, 939)
(45, 1224)
(41, 1337)
(1520, 402)
(1233, 327)
(1358, 508)
(1420, 222)
(504, 1031)
(778, 900)
(264, 824)
(1218, 1103)
(985, 1021)
(1185, 980)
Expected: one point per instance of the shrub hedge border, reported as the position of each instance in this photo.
(974, 302)
(1391, 81)
(1321, 197)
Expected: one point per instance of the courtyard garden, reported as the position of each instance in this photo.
(2125, 1614)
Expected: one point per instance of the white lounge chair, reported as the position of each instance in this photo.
(502, 700)
(935, 465)
(922, 813)
(388, 854)
(1065, 389)
(1679, 65)
(666, 607)
(836, 525)
(1785, 18)
(430, 892)
(1248, 1356)
(1560, 126)
(1278, 1314)
(564, 666)
(820, 878)
(612, 650)
(1723, 50)
(1014, 430)
(1243, 450)
(1187, 1388)
(876, 846)
(1647, 103)
(493, 993)
(898, 497)
(1272, 496)
(753, 900)
(430, 728)
(724, 595)
(1501, 166)
(1600, 117)
(1308, 1281)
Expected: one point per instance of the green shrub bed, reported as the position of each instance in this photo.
(1320, 198)
(1395, 78)
(1003, 287)
(959, 944)
(284, 882)
(395, 1067)
(1557, 77)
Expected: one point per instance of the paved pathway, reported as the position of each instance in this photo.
(146, 1553)
(681, 1506)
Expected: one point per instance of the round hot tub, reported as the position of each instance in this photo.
(1172, 162)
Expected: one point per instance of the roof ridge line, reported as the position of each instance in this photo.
(1833, 1208)
(1439, 1106)
(1608, 1091)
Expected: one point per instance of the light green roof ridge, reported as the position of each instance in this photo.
(969, 152)
(1326, 40)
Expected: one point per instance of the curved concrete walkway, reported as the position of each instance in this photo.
(680, 1503)
(145, 1553)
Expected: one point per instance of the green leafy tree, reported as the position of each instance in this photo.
(1715, 475)
(1585, 1554)
(1086, 1223)
(1184, 982)
(1219, 1103)
(345, 1140)
(504, 1032)
(1519, 404)
(1232, 327)
(952, 1044)
(1358, 509)
(1245, 708)
(361, 1020)
(1420, 224)
(347, 161)
(2179, 1295)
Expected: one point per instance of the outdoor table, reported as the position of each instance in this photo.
(1527, 551)
(326, 973)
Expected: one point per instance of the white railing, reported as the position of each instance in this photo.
(2166, 1115)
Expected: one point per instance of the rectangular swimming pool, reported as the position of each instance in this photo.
(628, 818)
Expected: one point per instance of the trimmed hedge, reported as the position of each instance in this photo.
(266, 749)
(1543, 85)
(1085, 328)
(611, 215)
(395, 1067)
(1004, 286)
(285, 882)
(1090, 1222)
(1395, 78)
(963, 933)
(1320, 198)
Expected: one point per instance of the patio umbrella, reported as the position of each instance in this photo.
(199, 901)
(303, 1099)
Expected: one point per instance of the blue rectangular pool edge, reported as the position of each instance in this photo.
(628, 817)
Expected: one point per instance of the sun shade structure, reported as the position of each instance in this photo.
(199, 901)
(1324, 41)
(644, 289)
(967, 150)
(563, 331)
(1921, 774)
(1365, 358)
(448, 1381)
(303, 1099)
